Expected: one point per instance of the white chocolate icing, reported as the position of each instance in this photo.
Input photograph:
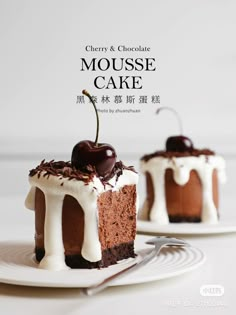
(86, 195)
(29, 201)
(182, 166)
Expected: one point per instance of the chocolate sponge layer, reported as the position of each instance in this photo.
(117, 217)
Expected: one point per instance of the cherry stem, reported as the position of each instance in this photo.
(96, 111)
(176, 115)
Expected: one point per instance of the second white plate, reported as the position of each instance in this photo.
(186, 228)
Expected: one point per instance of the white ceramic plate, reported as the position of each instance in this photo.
(186, 228)
(17, 266)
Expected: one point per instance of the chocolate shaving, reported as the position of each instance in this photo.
(61, 169)
(118, 170)
(171, 154)
(65, 170)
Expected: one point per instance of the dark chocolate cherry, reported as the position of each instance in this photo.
(179, 144)
(102, 156)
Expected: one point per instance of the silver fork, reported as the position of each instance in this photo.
(159, 242)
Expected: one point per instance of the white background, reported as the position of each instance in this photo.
(42, 42)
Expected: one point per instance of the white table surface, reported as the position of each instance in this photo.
(180, 294)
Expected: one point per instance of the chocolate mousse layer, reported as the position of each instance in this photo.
(184, 203)
(116, 227)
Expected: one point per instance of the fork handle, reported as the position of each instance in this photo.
(108, 281)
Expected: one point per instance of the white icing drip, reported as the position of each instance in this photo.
(182, 166)
(160, 214)
(54, 249)
(29, 201)
(87, 196)
(209, 212)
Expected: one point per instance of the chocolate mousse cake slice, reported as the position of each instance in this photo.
(181, 181)
(82, 221)
(85, 210)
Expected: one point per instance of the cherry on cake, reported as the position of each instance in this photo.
(85, 210)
